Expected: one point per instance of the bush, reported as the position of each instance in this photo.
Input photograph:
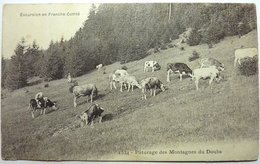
(249, 66)
(164, 47)
(124, 67)
(170, 45)
(195, 55)
(194, 38)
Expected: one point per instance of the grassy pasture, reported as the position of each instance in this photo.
(228, 111)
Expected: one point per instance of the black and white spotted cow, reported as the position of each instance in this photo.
(180, 68)
(154, 65)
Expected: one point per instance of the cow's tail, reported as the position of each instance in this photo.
(95, 91)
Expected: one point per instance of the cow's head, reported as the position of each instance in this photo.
(221, 67)
(100, 108)
(83, 117)
(157, 66)
(162, 86)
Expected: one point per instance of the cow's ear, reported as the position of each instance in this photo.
(101, 108)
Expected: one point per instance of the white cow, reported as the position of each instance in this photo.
(242, 53)
(151, 64)
(118, 76)
(203, 73)
(99, 67)
(131, 81)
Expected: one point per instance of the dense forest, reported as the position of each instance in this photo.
(125, 32)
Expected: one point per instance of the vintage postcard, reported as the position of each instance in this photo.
(130, 82)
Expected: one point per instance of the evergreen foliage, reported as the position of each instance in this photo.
(124, 32)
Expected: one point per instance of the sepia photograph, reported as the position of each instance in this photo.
(129, 82)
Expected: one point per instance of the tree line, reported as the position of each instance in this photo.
(125, 32)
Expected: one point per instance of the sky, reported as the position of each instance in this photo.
(43, 27)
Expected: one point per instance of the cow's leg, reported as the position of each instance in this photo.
(210, 81)
(114, 84)
(132, 88)
(32, 113)
(239, 62)
(91, 96)
(143, 94)
(154, 91)
(75, 101)
(111, 82)
(129, 86)
(44, 111)
(121, 86)
(235, 62)
(197, 83)
(100, 119)
(168, 75)
(180, 76)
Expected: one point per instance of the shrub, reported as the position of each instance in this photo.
(124, 67)
(194, 38)
(249, 66)
(170, 45)
(195, 55)
(164, 47)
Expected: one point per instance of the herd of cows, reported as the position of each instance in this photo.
(209, 68)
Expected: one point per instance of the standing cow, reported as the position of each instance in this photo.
(91, 113)
(118, 76)
(151, 83)
(204, 73)
(44, 104)
(83, 90)
(180, 68)
(242, 53)
(151, 64)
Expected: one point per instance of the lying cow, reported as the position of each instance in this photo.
(83, 90)
(151, 83)
(242, 53)
(151, 64)
(44, 104)
(118, 76)
(211, 62)
(98, 67)
(91, 113)
(204, 73)
(180, 68)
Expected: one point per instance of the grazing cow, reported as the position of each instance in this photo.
(83, 90)
(131, 81)
(99, 67)
(180, 68)
(69, 78)
(91, 113)
(118, 76)
(242, 53)
(211, 62)
(204, 73)
(44, 104)
(151, 64)
(151, 83)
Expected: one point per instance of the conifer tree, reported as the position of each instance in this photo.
(16, 76)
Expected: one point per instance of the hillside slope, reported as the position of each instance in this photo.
(226, 112)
